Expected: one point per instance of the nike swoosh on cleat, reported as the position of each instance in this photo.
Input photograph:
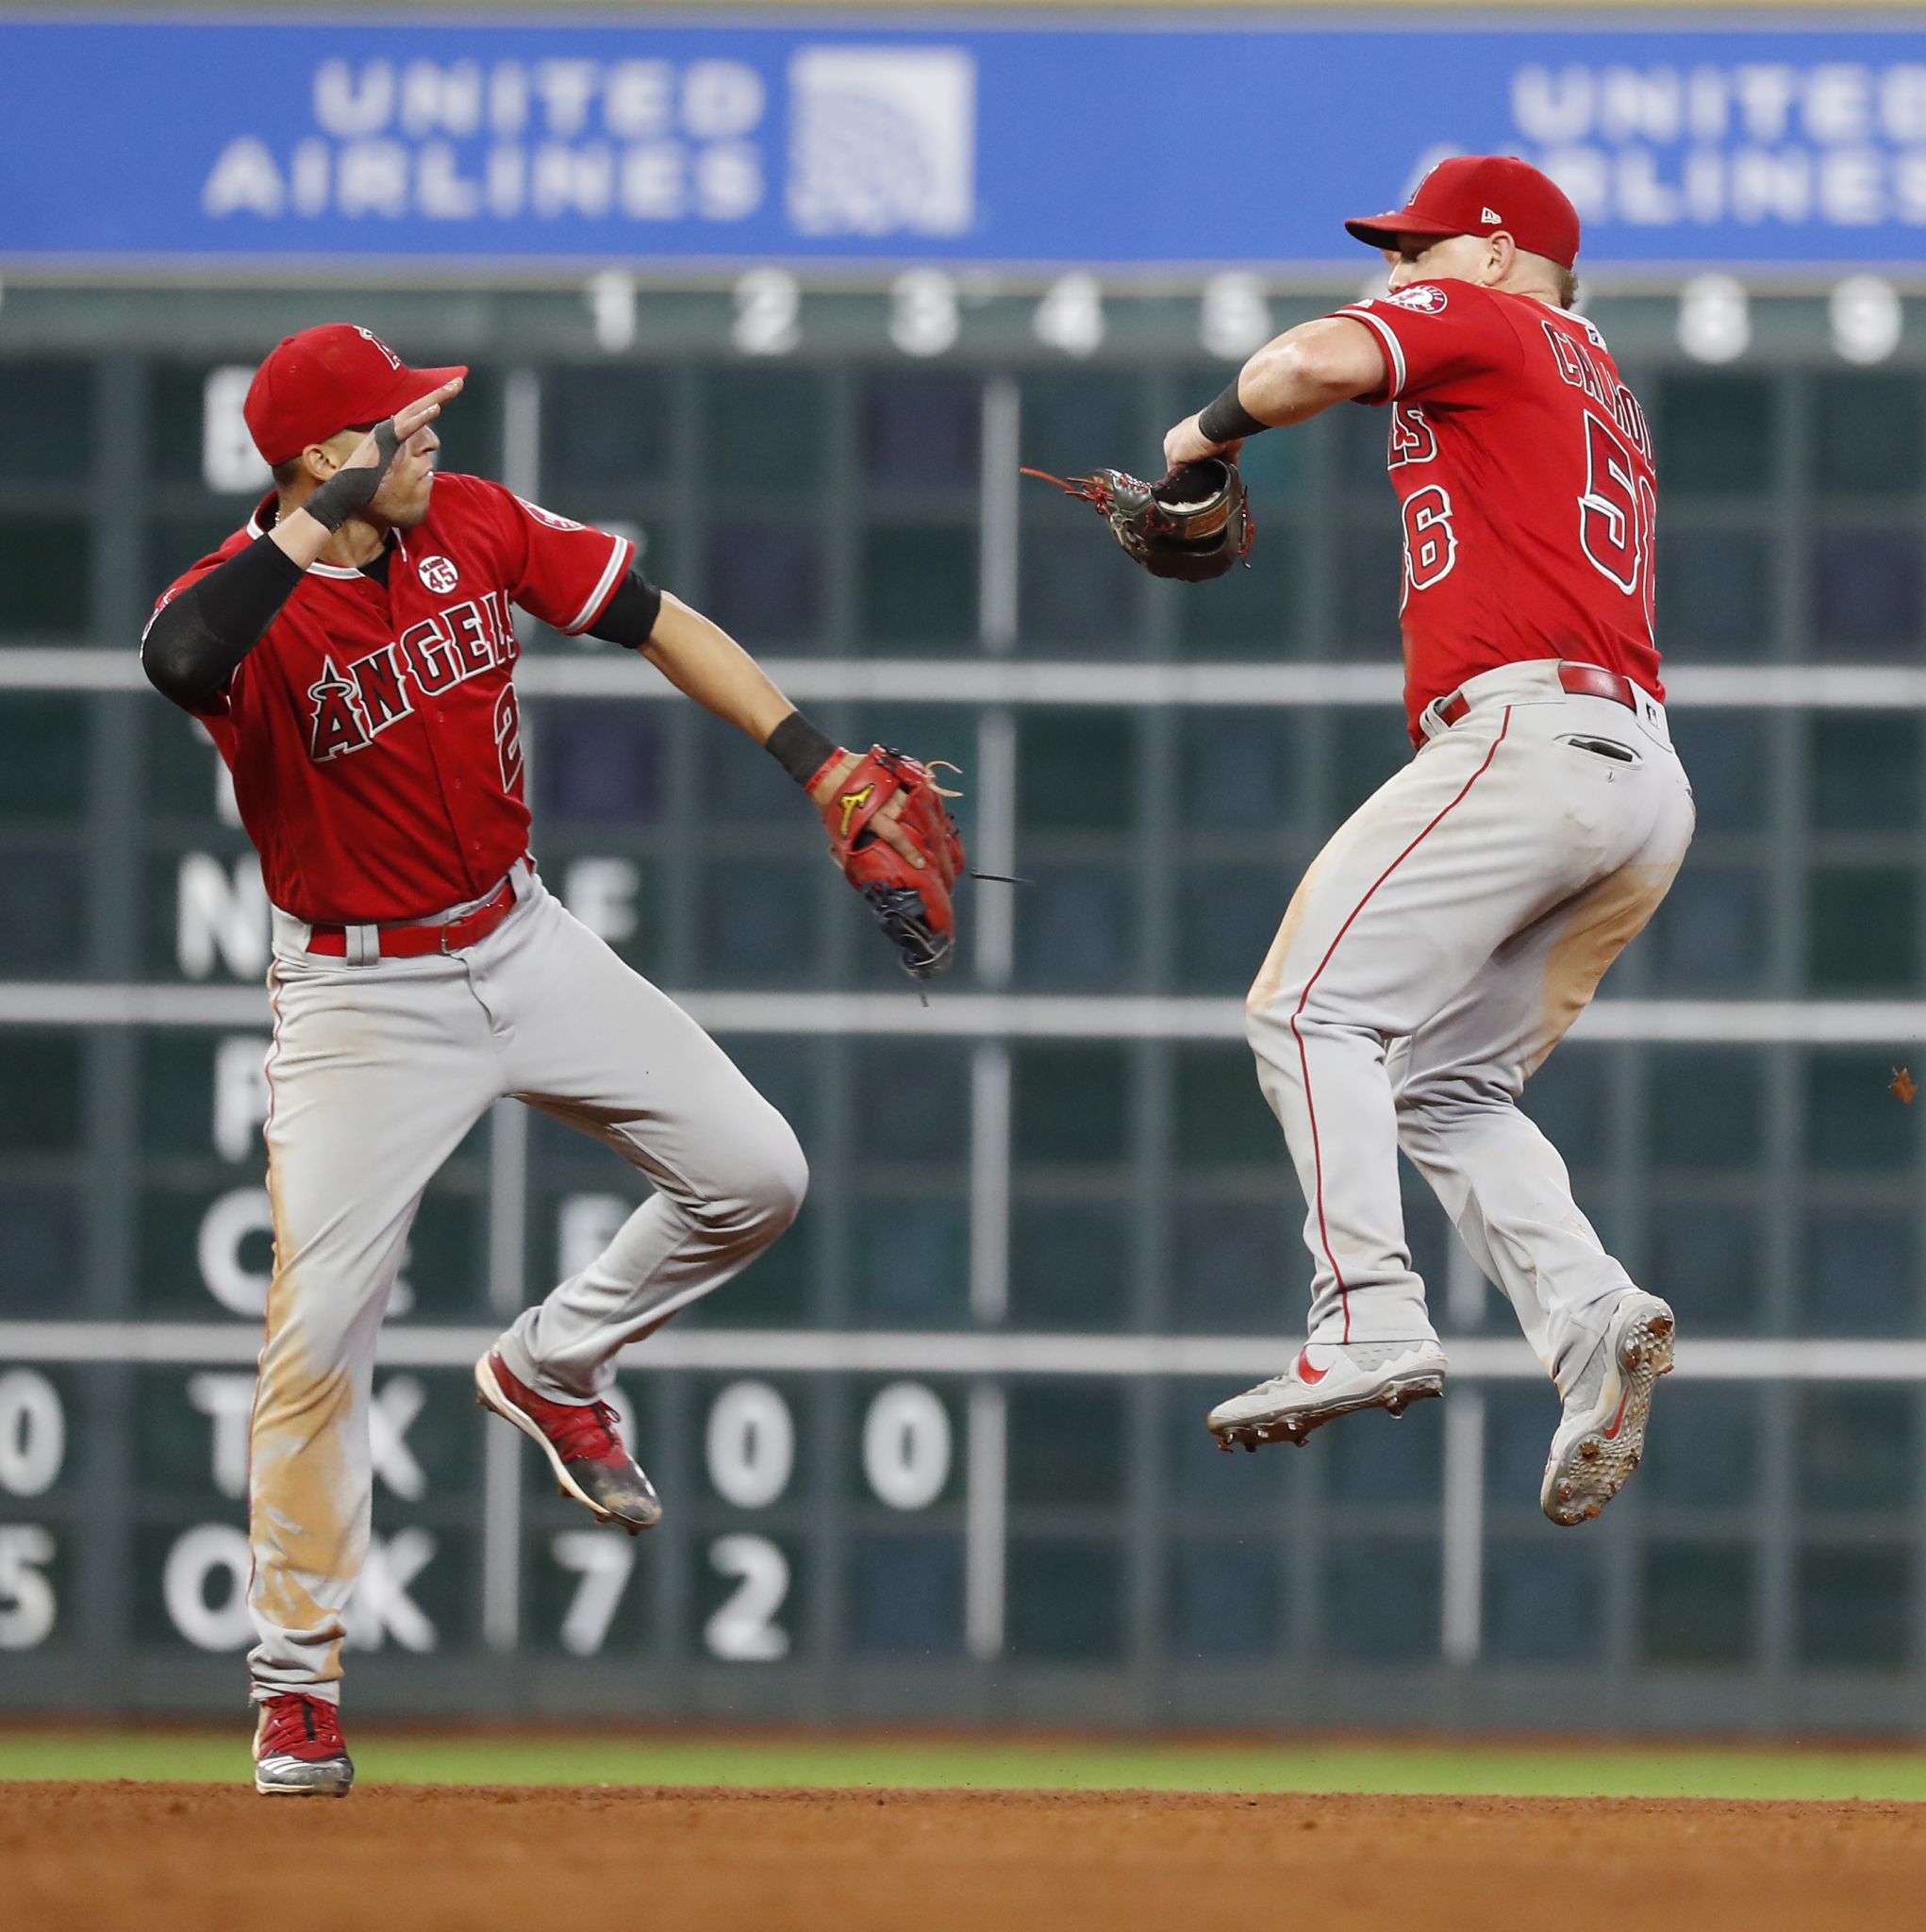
(1309, 1376)
(1618, 1421)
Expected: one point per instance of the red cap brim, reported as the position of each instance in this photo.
(1382, 231)
(412, 385)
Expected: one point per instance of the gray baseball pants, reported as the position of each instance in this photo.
(376, 1073)
(1434, 954)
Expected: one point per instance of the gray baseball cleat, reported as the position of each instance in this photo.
(299, 1750)
(1603, 1433)
(1328, 1379)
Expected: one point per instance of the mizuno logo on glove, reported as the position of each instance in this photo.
(907, 877)
(852, 803)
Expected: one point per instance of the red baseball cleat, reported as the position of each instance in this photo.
(298, 1750)
(582, 1442)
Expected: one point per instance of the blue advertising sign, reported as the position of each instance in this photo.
(1153, 143)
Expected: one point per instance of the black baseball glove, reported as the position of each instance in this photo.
(1194, 523)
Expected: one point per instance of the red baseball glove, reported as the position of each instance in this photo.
(897, 844)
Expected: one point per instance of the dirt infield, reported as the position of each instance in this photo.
(98, 1857)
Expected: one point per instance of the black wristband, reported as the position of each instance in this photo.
(1226, 420)
(349, 490)
(799, 748)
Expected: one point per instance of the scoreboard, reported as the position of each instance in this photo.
(940, 1454)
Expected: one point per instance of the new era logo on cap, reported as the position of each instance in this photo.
(328, 379)
(1493, 217)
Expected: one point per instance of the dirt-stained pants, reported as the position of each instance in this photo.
(1434, 954)
(376, 1073)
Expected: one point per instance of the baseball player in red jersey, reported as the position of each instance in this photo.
(351, 652)
(1451, 930)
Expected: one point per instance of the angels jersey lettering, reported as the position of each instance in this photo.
(1523, 470)
(373, 732)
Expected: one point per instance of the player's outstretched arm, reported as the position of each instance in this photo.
(701, 660)
(889, 829)
(1331, 360)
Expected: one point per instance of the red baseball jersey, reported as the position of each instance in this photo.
(1523, 470)
(373, 732)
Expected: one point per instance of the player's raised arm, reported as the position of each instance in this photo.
(197, 639)
(1331, 359)
(308, 525)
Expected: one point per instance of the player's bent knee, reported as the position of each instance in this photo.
(1267, 1028)
(786, 1182)
(765, 1192)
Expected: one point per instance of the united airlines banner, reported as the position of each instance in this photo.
(1124, 143)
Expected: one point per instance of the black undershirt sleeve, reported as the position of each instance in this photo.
(192, 647)
(629, 616)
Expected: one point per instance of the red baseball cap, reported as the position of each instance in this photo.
(1479, 194)
(325, 380)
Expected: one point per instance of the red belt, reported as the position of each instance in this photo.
(1579, 681)
(411, 939)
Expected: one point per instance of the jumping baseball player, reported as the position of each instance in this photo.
(351, 652)
(1454, 926)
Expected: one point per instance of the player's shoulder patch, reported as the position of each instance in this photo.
(1421, 298)
(548, 516)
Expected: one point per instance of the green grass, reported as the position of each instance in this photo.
(397, 1757)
